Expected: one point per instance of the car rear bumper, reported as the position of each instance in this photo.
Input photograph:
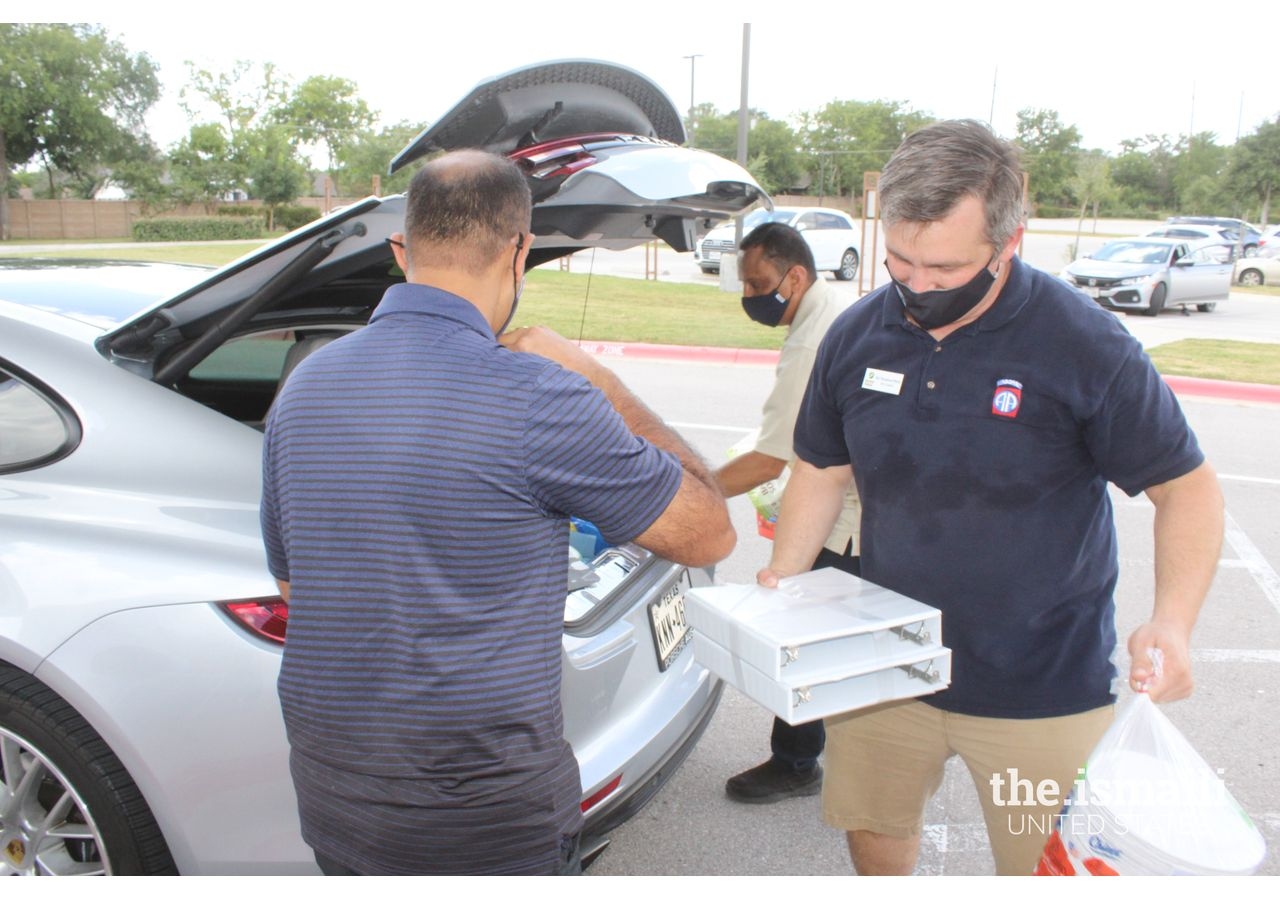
(594, 833)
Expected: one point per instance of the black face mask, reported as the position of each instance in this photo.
(935, 309)
(767, 309)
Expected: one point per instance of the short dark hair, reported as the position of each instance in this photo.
(941, 164)
(782, 246)
(464, 207)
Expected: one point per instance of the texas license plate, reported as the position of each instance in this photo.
(670, 630)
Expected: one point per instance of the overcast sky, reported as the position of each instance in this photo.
(1114, 69)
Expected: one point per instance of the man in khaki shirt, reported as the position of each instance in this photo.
(782, 287)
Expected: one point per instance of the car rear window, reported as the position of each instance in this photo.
(34, 428)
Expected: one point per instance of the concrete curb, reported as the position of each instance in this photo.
(1184, 385)
(1181, 384)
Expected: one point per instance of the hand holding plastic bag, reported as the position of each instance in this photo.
(1148, 804)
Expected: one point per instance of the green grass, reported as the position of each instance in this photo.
(198, 254)
(1227, 360)
(608, 308)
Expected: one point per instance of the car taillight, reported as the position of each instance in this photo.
(602, 793)
(267, 617)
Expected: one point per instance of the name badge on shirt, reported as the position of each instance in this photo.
(882, 381)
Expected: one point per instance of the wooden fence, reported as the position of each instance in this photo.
(69, 220)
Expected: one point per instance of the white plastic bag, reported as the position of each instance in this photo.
(1148, 804)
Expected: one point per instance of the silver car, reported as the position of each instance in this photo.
(140, 633)
(1148, 274)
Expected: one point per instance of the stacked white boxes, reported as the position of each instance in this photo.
(821, 643)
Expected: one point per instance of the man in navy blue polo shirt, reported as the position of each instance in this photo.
(982, 407)
(418, 476)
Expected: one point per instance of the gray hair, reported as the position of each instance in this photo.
(939, 165)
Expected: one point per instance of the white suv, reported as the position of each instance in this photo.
(830, 234)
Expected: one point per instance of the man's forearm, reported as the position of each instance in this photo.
(748, 470)
(641, 420)
(1188, 543)
(644, 422)
(811, 504)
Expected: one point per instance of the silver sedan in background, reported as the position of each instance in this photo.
(1148, 274)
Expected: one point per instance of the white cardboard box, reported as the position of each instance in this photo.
(822, 643)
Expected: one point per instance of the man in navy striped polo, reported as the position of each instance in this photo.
(417, 479)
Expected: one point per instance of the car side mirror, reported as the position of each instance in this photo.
(1185, 262)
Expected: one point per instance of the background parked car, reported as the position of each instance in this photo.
(830, 234)
(1258, 270)
(1240, 231)
(140, 632)
(1198, 234)
(1147, 274)
(1269, 243)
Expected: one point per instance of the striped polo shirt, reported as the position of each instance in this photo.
(417, 479)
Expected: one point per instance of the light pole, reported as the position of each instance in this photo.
(692, 57)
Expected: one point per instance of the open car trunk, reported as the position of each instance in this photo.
(598, 145)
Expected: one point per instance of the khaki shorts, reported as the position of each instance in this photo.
(884, 763)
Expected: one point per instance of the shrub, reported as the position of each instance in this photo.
(199, 228)
(238, 209)
(291, 216)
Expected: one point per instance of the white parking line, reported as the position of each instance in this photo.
(1249, 478)
(732, 429)
(1213, 656)
(1253, 560)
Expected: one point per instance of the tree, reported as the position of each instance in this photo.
(1143, 175)
(246, 148)
(1092, 185)
(1050, 151)
(275, 173)
(714, 131)
(1254, 170)
(369, 154)
(204, 166)
(1197, 166)
(71, 97)
(326, 110)
(238, 97)
(773, 157)
(846, 138)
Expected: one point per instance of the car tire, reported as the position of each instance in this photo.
(1206, 307)
(105, 827)
(1251, 250)
(848, 265)
(1251, 278)
(1157, 300)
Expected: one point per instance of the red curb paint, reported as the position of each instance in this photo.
(725, 355)
(1181, 384)
(1223, 390)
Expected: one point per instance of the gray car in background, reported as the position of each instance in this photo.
(1148, 274)
(140, 632)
